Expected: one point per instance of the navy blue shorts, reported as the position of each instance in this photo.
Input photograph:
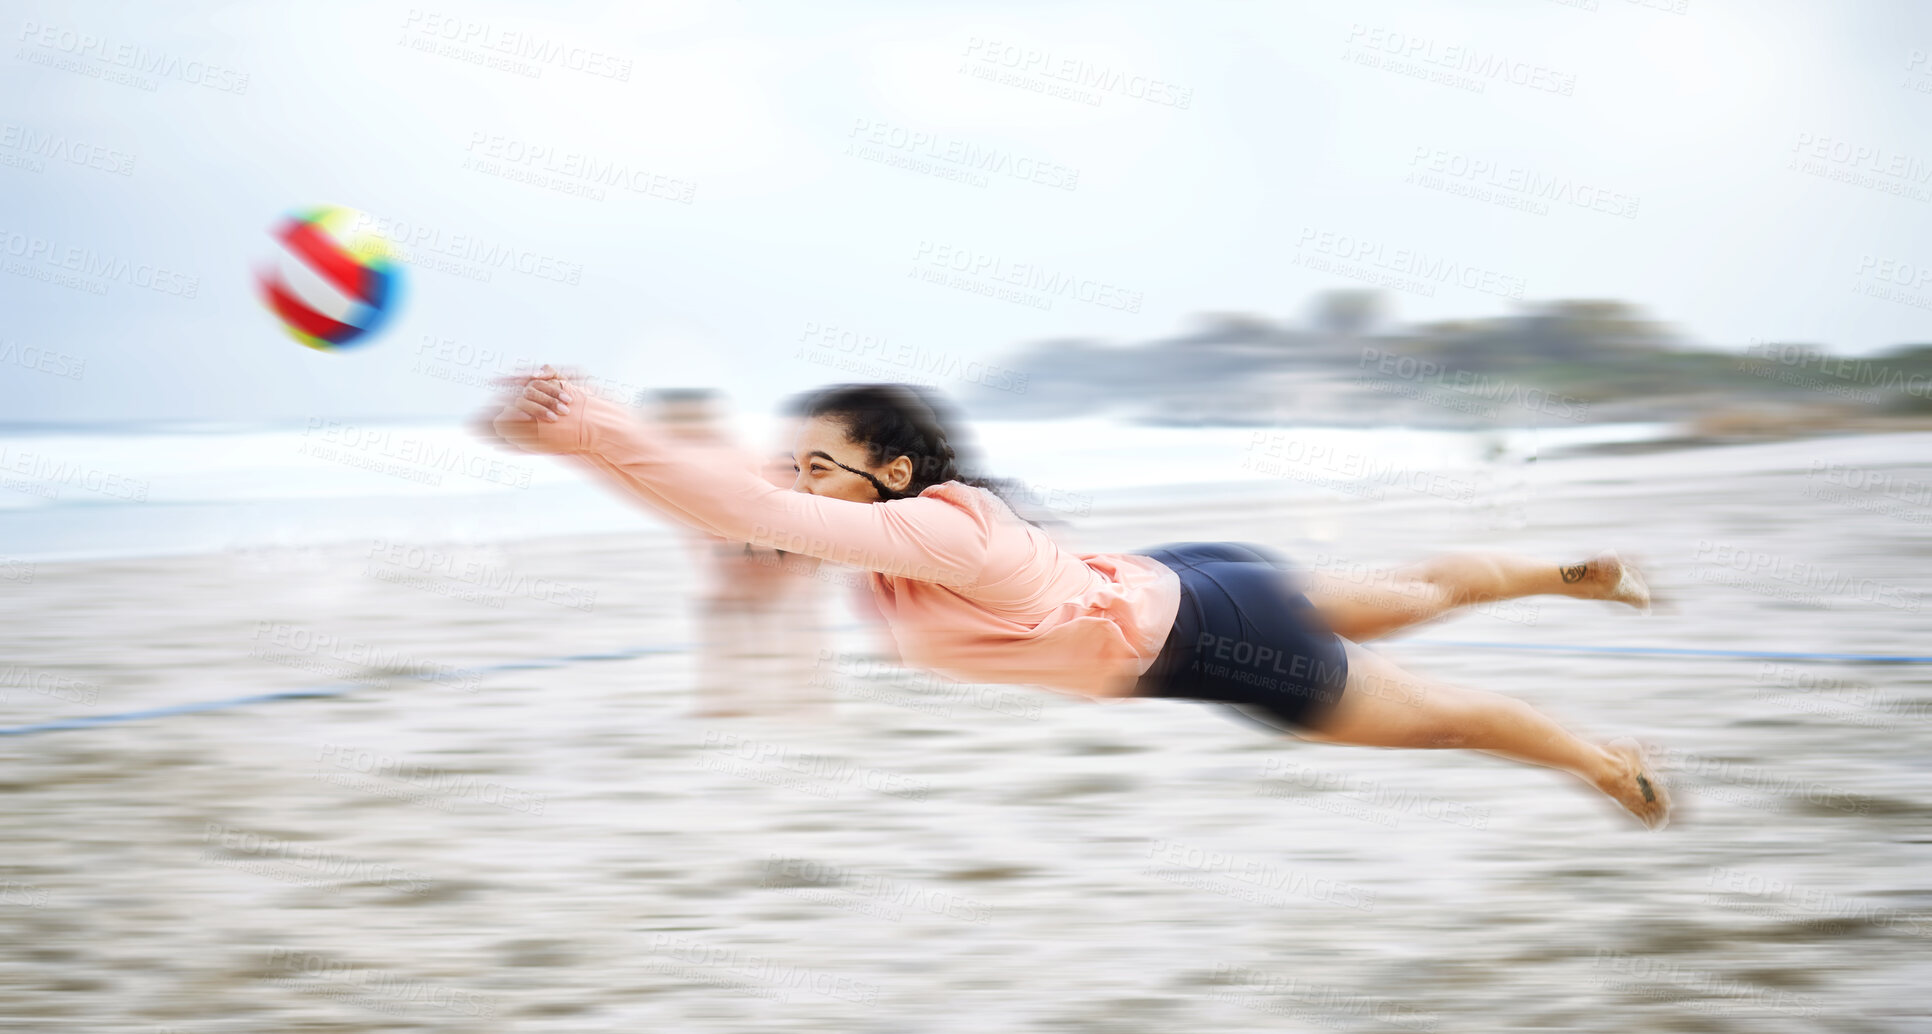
(1246, 636)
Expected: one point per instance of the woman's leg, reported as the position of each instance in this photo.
(1375, 603)
(1385, 706)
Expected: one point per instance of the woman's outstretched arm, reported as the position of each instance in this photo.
(929, 538)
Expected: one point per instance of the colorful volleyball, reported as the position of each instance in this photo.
(333, 282)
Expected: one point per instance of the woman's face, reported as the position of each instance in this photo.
(822, 445)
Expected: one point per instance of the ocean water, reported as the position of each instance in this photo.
(72, 493)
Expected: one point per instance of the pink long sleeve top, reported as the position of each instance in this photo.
(965, 587)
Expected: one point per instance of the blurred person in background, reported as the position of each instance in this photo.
(758, 614)
(972, 590)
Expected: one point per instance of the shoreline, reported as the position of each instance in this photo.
(601, 514)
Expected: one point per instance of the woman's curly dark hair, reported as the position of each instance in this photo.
(894, 420)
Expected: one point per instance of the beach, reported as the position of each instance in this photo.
(443, 841)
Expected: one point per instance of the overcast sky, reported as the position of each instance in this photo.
(956, 178)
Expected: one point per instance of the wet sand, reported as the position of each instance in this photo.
(571, 848)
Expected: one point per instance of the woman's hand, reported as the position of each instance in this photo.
(544, 396)
(529, 399)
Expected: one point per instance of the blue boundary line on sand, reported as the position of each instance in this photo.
(1668, 651)
(336, 689)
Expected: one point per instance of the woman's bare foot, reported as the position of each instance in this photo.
(1608, 576)
(1633, 783)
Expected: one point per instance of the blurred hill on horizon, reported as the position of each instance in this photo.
(1565, 361)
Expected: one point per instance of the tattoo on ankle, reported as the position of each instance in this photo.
(1573, 573)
